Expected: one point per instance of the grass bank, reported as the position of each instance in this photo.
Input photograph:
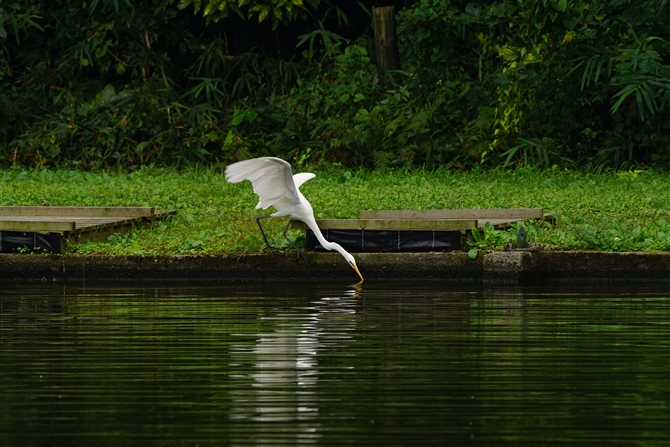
(615, 211)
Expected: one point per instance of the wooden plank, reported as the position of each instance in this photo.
(498, 224)
(92, 224)
(37, 226)
(76, 211)
(79, 229)
(101, 232)
(63, 218)
(511, 213)
(391, 224)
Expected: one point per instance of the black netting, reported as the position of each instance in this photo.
(388, 240)
(14, 241)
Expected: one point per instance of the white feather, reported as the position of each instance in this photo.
(275, 186)
(271, 178)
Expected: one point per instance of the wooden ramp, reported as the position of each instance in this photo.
(77, 224)
(457, 220)
(415, 230)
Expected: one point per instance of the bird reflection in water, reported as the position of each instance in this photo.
(281, 368)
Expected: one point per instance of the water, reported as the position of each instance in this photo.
(306, 364)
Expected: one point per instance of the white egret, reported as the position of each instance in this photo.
(275, 186)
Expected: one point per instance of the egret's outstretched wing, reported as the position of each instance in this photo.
(270, 177)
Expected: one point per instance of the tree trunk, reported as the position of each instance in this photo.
(386, 43)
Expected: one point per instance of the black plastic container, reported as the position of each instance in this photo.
(357, 241)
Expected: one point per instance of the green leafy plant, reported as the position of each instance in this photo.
(486, 240)
(478, 242)
(275, 11)
(277, 240)
(119, 84)
(541, 115)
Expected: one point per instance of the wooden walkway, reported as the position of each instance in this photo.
(443, 220)
(77, 224)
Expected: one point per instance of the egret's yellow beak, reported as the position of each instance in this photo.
(356, 268)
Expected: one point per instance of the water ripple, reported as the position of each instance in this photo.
(334, 364)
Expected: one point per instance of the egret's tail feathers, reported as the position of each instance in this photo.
(302, 177)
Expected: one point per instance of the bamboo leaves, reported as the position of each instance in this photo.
(284, 11)
(645, 96)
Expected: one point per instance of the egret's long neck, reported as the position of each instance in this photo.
(311, 223)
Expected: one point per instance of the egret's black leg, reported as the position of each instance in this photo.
(267, 244)
(300, 252)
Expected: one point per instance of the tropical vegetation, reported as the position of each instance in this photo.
(123, 84)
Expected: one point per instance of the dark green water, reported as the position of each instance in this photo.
(292, 364)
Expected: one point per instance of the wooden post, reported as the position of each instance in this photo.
(386, 43)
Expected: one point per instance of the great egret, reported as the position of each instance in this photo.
(275, 186)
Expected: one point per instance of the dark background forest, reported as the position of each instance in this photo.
(123, 84)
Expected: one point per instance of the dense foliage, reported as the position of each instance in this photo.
(545, 81)
(495, 82)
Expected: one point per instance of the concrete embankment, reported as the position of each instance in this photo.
(542, 266)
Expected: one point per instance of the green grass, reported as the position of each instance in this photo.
(617, 211)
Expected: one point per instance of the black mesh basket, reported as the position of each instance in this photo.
(357, 241)
(15, 241)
